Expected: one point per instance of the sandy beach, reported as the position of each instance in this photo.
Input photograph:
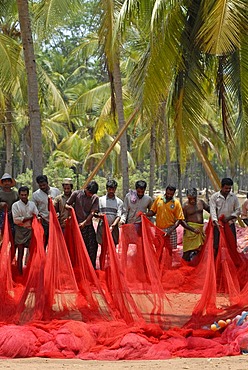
(223, 363)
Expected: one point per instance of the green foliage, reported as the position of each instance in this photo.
(56, 174)
(163, 48)
(25, 179)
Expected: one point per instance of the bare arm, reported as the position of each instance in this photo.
(149, 213)
(206, 207)
(187, 227)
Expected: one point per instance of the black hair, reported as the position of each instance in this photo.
(23, 188)
(226, 181)
(41, 178)
(92, 187)
(140, 184)
(171, 187)
(191, 192)
(71, 185)
(111, 184)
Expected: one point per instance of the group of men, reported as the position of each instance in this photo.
(224, 208)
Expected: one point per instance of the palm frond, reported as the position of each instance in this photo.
(222, 24)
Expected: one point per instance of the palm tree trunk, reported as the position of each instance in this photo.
(179, 172)
(121, 119)
(33, 101)
(152, 159)
(8, 137)
(167, 145)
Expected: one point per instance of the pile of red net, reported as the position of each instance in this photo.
(144, 303)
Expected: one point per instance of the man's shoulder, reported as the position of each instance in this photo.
(146, 196)
(233, 194)
(16, 204)
(31, 203)
(54, 190)
(215, 195)
(158, 198)
(36, 192)
(59, 197)
(80, 191)
(11, 192)
(176, 201)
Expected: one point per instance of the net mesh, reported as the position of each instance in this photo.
(144, 302)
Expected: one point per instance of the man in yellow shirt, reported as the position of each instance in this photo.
(169, 215)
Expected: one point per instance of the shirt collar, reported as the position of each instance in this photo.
(167, 201)
(109, 197)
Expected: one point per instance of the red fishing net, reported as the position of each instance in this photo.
(144, 302)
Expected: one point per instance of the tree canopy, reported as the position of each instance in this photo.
(178, 68)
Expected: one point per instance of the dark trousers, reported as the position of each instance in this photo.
(217, 236)
(89, 237)
(45, 225)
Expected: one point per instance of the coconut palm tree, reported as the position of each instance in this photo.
(33, 98)
(193, 50)
(111, 48)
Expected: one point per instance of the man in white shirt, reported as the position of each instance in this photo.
(23, 212)
(40, 198)
(224, 206)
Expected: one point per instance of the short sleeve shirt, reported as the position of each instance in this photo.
(130, 209)
(112, 207)
(40, 198)
(83, 205)
(59, 205)
(9, 197)
(167, 213)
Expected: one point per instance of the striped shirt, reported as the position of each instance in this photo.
(111, 207)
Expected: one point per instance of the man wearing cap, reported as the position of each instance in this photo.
(59, 202)
(8, 196)
(40, 198)
(193, 212)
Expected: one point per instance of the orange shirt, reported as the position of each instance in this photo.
(167, 213)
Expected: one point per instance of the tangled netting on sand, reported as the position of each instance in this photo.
(144, 301)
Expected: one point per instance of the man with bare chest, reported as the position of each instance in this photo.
(193, 212)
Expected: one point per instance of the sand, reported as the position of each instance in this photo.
(223, 363)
